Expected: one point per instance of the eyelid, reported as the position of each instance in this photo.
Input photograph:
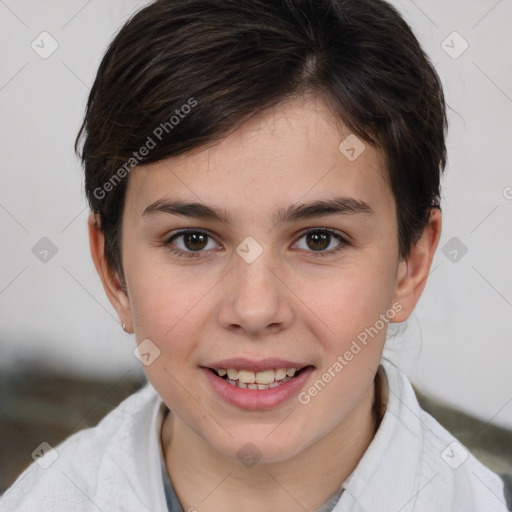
(175, 234)
(303, 231)
(332, 231)
(344, 240)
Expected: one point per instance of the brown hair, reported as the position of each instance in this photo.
(227, 60)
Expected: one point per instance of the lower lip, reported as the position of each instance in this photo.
(255, 399)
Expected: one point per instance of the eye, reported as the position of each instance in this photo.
(194, 242)
(320, 239)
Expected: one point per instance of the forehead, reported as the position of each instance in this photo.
(293, 153)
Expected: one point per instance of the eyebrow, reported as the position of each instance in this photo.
(320, 208)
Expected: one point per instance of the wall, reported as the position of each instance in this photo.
(55, 312)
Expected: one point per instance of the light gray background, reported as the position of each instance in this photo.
(457, 345)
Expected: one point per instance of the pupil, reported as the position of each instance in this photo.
(318, 238)
(197, 238)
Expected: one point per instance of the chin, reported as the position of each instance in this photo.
(259, 447)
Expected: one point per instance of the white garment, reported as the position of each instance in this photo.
(116, 465)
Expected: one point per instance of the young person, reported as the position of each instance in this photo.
(264, 181)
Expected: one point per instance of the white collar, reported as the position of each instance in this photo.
(402, 470)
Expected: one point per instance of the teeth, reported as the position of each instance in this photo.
(238, 384)
(280, 374)
(265, 377)
(249, 378)
(232, 374)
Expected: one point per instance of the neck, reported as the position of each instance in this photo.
(204, 479)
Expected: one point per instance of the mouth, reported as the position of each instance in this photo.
(256, 384)
(260, 380)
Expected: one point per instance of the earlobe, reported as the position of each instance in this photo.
(114, 289)
(413, 271)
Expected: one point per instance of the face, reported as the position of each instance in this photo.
(266, 291)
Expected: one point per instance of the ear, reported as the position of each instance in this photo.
(413, 271)
(110, 279)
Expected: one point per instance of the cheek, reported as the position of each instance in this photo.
(163, 300)
(353, 301)
(357, 311)
(167, 311)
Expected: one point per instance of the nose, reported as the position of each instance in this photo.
(256, 301)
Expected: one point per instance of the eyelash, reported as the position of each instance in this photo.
(314, 254)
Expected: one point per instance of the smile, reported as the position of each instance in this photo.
(263, 389)
(266, 379)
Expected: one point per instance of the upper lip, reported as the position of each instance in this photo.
(241, 363)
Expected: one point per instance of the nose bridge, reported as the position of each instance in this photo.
(254, 281)
(256, 298)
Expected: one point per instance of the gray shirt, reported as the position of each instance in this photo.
(174, 505)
